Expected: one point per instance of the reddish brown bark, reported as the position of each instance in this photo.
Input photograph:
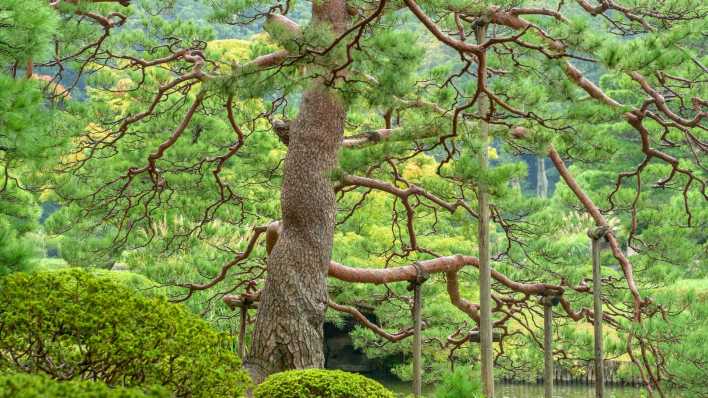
(445, 264)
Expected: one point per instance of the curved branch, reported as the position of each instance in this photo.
(600, 220)
(356, 314)
(193, 287)
(435, 30)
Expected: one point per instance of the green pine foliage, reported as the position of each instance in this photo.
(684, 342)
(19, 216)
(460, 383)
(26, 30)
(16, 253)
(27, 141)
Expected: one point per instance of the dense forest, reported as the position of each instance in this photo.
(205, 198)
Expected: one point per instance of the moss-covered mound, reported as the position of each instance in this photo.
(319, 383)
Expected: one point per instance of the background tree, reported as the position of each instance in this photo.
(27, 141)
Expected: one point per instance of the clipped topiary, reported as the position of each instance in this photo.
(76, 325)
(22, 385)
(320, 383)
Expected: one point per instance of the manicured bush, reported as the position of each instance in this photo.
(77, 325)
(22, 385)
(320, 383)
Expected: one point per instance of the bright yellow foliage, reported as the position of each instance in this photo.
(230, 50)
(492, 153)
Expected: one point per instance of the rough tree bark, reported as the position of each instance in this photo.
(289, 324)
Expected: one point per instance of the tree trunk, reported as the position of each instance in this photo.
(289, 324)
(541, 178)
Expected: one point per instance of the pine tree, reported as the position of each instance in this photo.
(368, 121)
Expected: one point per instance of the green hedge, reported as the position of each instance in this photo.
(76, 325)
(23, 385)
(319, 383)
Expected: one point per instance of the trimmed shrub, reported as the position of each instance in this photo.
(320, 383)
(76, 325)
(22, 385)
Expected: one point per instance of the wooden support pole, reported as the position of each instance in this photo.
(417, 342)
(485, 278)
(548, 373)
(242, 332)
(243, 302)
(547, 351)
(596, 235)
(415, 285)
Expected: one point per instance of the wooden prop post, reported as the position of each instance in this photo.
(485, 279)
(244, 302)
(596, 235)
(415, 286)
(242, 332)
(548, 303)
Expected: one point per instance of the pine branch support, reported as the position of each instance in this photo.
(485, 279)
(548, 303)
(415, 285)
(596, 235)
(243, 302)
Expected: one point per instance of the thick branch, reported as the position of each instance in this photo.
(440, 264)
